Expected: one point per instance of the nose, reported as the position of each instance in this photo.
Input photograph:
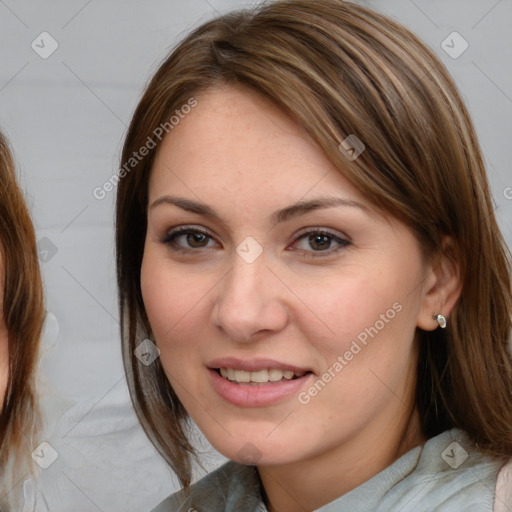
(250, 301)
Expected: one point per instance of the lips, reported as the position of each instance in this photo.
(257, 382)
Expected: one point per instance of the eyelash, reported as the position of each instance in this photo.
(170, 240)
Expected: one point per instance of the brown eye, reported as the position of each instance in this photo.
(197, 240)
(188, 239)
(319, 242)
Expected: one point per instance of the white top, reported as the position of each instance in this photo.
(98, 459)
(447, 474)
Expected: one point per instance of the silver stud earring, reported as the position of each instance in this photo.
(441, 320)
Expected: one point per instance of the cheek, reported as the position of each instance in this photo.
(170, 301)
(368, 352)
(368, 319)
(173, 299)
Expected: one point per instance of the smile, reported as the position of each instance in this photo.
(264, 376)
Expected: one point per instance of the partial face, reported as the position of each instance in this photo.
(4, 352)
(284, 305)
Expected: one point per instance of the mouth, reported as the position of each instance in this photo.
(256, 378)
(258, 382)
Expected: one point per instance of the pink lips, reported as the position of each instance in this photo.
(259, 395)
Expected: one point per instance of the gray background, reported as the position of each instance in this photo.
(66, 116)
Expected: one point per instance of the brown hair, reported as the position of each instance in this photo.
(337, 69)
(23, 313)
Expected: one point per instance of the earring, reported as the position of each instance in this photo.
(441, 320)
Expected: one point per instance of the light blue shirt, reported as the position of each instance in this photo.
(447, 474)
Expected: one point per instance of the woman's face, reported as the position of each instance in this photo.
(263, 263)
(4, 352)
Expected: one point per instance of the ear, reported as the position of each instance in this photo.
(442, 287)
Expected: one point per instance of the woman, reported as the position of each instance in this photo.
(21, 322)
(305, 232)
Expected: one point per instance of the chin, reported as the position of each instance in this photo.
(259, 449)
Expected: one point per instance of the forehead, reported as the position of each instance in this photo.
(238, 141)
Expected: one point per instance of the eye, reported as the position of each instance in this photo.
(320, 241)
(187, 239)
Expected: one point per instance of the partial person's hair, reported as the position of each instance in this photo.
(23, 313)
(337, 69)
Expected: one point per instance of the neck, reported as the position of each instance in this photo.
(308, 485)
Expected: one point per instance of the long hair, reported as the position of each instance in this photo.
(339, 69)
(23, 313)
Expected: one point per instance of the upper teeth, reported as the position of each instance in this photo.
(261, 376)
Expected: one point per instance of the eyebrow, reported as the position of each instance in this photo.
(279, 216)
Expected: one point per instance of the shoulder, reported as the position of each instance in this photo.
(503, 499)
(95, 445)
(451, 474)
(233, 486)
